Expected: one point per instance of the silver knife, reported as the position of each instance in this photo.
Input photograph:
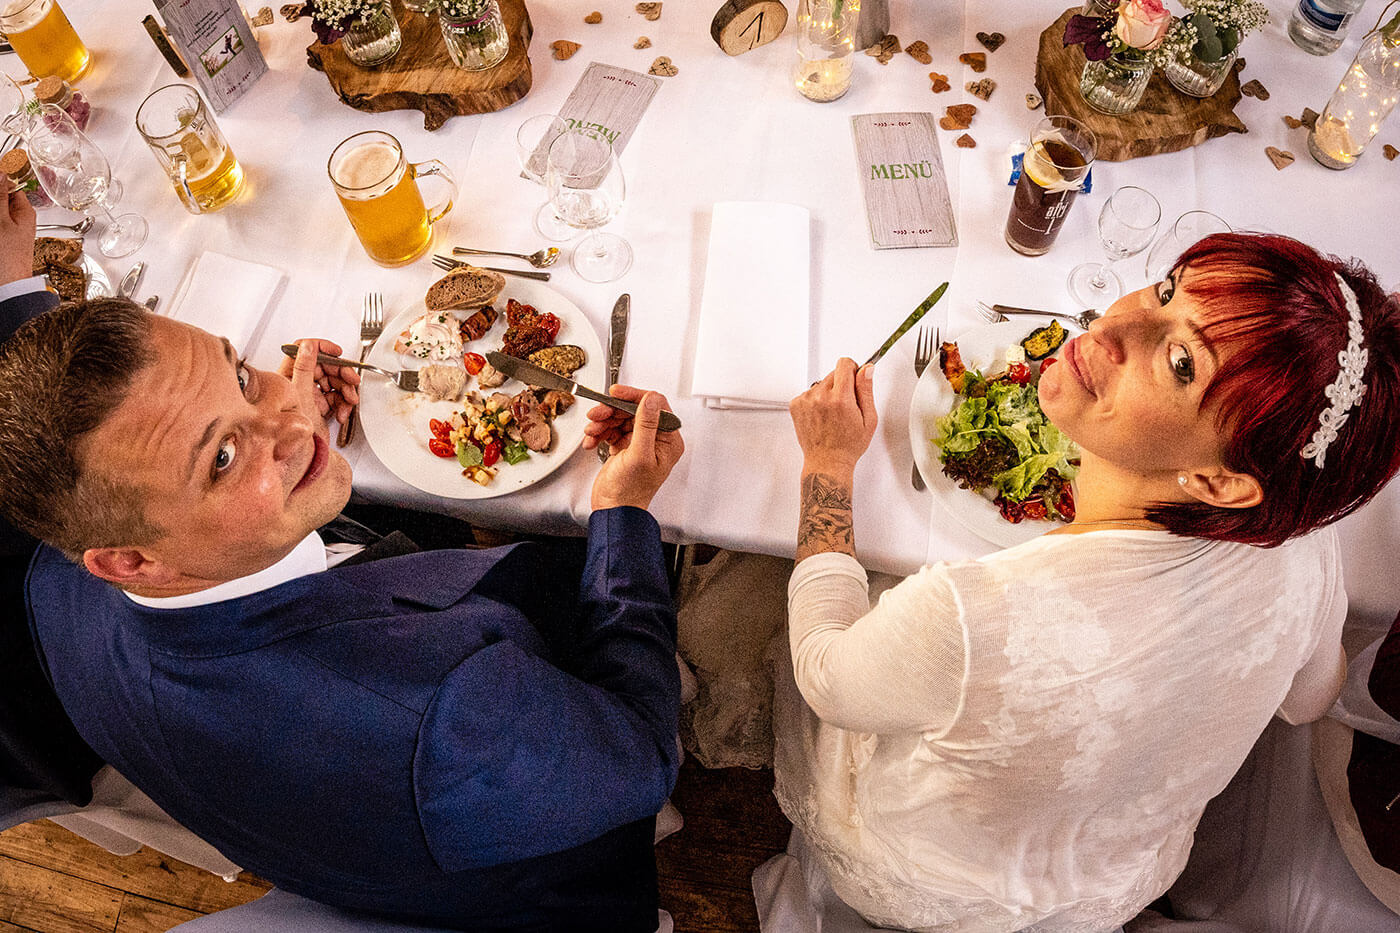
(127, 288)
(617, 342)
(533, 375)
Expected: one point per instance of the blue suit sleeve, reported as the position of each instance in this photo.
(15, 311)
(518, 758)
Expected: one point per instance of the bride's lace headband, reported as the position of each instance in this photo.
(1346, 390)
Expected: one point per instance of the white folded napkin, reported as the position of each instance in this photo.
(751, 350)
(228, 297)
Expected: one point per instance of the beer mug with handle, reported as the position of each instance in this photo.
(188, 145)
(378, 189)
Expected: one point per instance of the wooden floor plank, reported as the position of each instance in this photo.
(143, 915)
(53, 902)
(147, 873)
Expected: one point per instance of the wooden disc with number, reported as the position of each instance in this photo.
(741, 25)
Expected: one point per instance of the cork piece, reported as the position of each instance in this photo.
(651, 11)
(991, 40)
(294, 11)
(593, 18)
(663, 67)
(564, 49)
(263, 17)
(1034, 101)
(1291, 122)
(957, 116)
(1279, 157)
(14, 162)
(977, 61)
(1390, 152)
(1253, 88)
(982, 89)
(884, 50)
(940, 82)
(965, 142)
(642, 43)
(1309, 117)
(918, 50)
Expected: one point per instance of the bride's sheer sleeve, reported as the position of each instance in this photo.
(898, 666)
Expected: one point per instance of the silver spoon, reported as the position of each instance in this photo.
(541, 259)
(81, 227)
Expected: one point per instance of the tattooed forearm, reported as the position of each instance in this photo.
(825, 523)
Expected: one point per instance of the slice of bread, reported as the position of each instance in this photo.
(56, 250)
(69, 281)
(465, 287)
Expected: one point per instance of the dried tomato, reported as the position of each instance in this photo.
(474, 362)
(1034, 509)
(550, 323)
(441, 448)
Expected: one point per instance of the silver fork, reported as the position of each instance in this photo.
(998, 313)
(923, 355)
(371, 326)
(406, 379)
(448, 263)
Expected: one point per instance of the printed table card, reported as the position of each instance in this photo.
(607, 99)
(215, 40)
(906, 190)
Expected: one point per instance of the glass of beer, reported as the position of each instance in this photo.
(378, 189)
(1053, 169)
(188, 145)
(44, 39)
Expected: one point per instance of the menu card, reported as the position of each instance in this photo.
(607, 99)
(901, 173)
(217, 43)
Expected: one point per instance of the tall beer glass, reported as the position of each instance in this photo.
(188, 145)
(1053, 169)
(44, 39)
(378, 189)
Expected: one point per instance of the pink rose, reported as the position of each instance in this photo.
(1142, 24)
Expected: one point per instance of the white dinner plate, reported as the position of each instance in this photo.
(396, 423)
(981, 347)
(98, 285)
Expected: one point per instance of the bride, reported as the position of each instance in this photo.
(1027, 741)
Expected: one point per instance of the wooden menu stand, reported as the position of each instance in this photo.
(422, 76)
(1165, 121)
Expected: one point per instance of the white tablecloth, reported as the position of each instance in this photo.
(726, 129)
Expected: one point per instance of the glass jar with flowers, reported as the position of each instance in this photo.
(367, 29)
(473, 32)
(1122, 48)
(1209, 43)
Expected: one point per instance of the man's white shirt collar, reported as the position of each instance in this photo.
(308, 557)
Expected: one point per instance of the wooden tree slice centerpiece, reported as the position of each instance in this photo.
(1165, 121)
(422, 76)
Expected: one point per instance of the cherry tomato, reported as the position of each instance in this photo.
(1018, 373)
(1045, 363)
(550, 323)
(474, 362)
(491, 453)
(441, 448)
(441, 430)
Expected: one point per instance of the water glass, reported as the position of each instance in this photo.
(1189, 228)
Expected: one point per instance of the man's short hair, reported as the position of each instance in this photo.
(62, 375)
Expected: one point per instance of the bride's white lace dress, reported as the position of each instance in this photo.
(1027, 741)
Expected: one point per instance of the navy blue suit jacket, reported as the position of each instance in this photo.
(39, 749)
(474, 738)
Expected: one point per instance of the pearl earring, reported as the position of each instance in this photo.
(1181, 479)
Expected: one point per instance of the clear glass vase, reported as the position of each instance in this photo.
(1197, 78)
(474, 33)
(826, 45)
(1115, 85)
(373, 39)
(1368, 92)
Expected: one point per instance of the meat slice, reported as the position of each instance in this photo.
(554, 401)
(442, 382)
(476, 326)
(490, 377)
(532, 420)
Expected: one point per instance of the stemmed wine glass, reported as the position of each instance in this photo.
(585, 185)
(1189, 228)
(532, 142)
(1126, 225)
(77, 176)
